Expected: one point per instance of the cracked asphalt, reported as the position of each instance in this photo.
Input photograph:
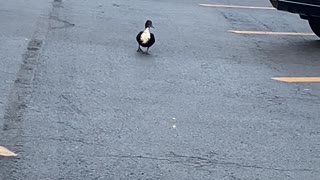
(78, 102)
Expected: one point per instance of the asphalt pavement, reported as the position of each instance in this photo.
(78, 102)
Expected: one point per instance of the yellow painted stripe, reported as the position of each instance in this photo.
(233, 6)
(298, 79)
(6, 152)
(272, 33)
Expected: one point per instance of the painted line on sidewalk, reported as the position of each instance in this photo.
(272, 33)
(298, 79)
(235, 6)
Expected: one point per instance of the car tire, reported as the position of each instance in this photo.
(274, 3)
(315, 25)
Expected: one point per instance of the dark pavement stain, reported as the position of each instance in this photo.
(18, 98)
(18, 103)
(22, 85)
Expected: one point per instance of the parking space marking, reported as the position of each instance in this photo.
(234, 6)
(298, 79)
(272, 33)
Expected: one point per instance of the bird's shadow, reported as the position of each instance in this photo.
(142, 55)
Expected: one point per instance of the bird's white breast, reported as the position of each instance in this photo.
(145, 36)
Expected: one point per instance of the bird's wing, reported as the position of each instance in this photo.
(152, 39)
(138, 37)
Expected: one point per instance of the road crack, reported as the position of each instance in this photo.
(200, 162)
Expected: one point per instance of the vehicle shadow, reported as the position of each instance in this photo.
(295, 50)
(305, 45)
(308, 44)
(294, 57)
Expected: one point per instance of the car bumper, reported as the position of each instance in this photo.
(309, 8)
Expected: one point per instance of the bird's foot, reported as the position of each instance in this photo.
(139, 49)
(146, 53)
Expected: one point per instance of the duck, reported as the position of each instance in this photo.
(145, 38)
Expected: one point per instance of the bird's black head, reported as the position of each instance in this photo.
(149, 24)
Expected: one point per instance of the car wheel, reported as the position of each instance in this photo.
(315, 25)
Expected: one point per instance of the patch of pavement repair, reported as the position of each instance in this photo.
(56, 22)
(20, 93)
(65, 24)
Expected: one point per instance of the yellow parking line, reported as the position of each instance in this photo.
(233, 6)
(272, 33)
(6, 152)
(298, 79)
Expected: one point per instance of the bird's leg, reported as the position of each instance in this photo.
(139, 49)
(147, 52)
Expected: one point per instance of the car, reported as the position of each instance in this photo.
(307, 9)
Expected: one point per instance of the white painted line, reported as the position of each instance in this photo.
(272, 33)
(233, 6)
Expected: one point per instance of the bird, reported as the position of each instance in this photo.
(145, 38)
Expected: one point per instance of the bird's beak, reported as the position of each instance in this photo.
(151, 26)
